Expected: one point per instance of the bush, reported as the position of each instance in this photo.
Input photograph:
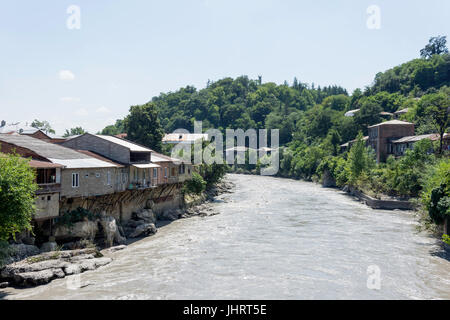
(436, 191)
(17, 192)
(195, 185)
(77, 215)
(446, 238)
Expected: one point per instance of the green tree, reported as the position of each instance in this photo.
(357, 158)
(74, 131)
(17, 191)
(195, 185)
(437, 108)
(436, 45)
(43, 126)
(143, 126)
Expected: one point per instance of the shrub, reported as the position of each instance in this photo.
(17, 192)
(436, 191)
(195, 185)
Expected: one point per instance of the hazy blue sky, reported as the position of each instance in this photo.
(126, 52)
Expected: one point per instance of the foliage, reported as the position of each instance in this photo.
(446, 238)
(114, 129)
(17, 189)
(43, 126)
(357, 159)
(195, 185)
(436, 45)
(436, 190)
(74, 131)
(5, 252)
(142, 126)
(77, 215)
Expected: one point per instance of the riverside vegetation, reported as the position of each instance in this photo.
(312, 126)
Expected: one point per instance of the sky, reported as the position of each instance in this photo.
(88, 69)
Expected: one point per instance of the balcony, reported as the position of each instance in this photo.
(48, 188)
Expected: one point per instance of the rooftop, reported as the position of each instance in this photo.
(125, 143)
(44, 165)
(55, 153)
(407, 139)
(42, 148)
(392, 122)
(184, 137)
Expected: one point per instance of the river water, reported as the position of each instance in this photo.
(273, 239)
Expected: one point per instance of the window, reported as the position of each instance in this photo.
(49, 198)
(165, 172)
(75, 180)
(155, 173)
(172, 172)
(108, 178)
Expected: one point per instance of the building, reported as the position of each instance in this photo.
(401, 145)
(171, 170)
(81, 175)
(351, 113)
(399, 113)
(383, 134)
(48, 179)
(136, 158)
(185, 138)
(347, 146)
(62, 174)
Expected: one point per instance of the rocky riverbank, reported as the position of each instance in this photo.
(75, 249)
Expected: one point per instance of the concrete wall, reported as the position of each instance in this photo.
(92, 182)
(47, 206)
(379, 135)
(101, 146)
(121, 205)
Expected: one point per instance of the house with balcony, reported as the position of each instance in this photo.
(62, 173)
(134, 157)
(382, 135)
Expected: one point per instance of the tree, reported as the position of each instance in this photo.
(368, 114)
(437, 108)
(74, 131)
(114, 129)
(195, 185)
(436, 45)
(17, 191)
(43, 126)
(143, 126)
(357, 158)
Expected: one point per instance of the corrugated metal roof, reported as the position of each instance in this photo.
(184, 137)
(42, 148)
(351, 113)
(83, 163)
(44, 165)
(146, 165)
(407, 139)
(401, 111)
(125, 143)
(391, 122)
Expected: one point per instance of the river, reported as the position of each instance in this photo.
(273, 239)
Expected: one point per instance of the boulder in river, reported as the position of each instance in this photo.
(110, 229)
(45, 267)
(146, 215)
(49, 246)
(83, 230)
(144, 230)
